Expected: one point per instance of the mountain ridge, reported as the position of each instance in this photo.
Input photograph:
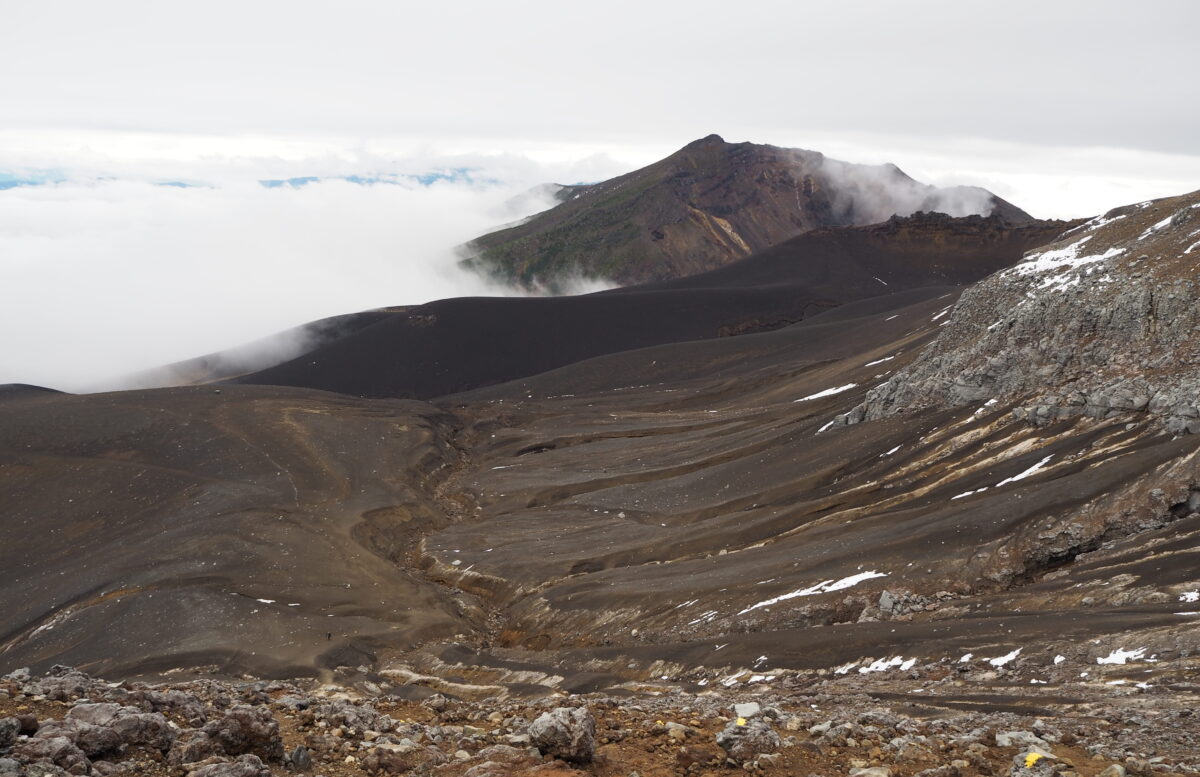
(709, 203)
(457, 345)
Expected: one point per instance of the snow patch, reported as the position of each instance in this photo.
(820, 588)
(1190, 596)
(1100, 221)
(827, 392)
(884, 664)
(879, 361)
(1004, 659)
(1057, 261)
(1120, 656)
(1026, 473)
(985, 406)
(1156, 227)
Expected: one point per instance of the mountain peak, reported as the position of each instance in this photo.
(706, 205)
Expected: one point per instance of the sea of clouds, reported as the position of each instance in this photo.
(107, 274)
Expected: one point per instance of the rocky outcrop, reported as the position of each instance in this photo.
(247, 729)
(1101, 323)
(803, 725)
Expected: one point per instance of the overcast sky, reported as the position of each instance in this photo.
(1065, 108)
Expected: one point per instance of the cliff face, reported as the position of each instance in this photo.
(1100, 323)
(706, 205)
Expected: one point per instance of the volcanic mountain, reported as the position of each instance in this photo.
(457, 345)
(706, 205)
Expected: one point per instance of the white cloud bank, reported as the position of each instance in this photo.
(110, 277)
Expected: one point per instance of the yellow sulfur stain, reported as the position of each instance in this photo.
(741, 721)
(1032, 758)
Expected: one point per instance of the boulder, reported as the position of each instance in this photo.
(57, 750)
(744, 740)
(246, 729)
(505, 754)
(62, 683)
(42, 770)
(10, 728)
(185, 705)
(747, 710)
(357, 716)
(129, 725)
(871, 771)
(193, 746)
(1020, 739)
(568, 733)
(150, 729)
(1034, 762)
(91, 739)
(95, 714)
(300, 759)
(246, 765)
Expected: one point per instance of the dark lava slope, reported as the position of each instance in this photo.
(706, 205)
(460, 344)
(682, 514)
(243, 529)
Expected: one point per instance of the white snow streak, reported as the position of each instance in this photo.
(1026, 473)
(1120, 656)
(820, 588)
(827, 392)
(1004, 659)
(884, 664)
(1059, 260)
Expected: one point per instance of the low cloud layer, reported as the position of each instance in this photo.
(112, 277)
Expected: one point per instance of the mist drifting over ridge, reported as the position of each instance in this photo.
(872, 193)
